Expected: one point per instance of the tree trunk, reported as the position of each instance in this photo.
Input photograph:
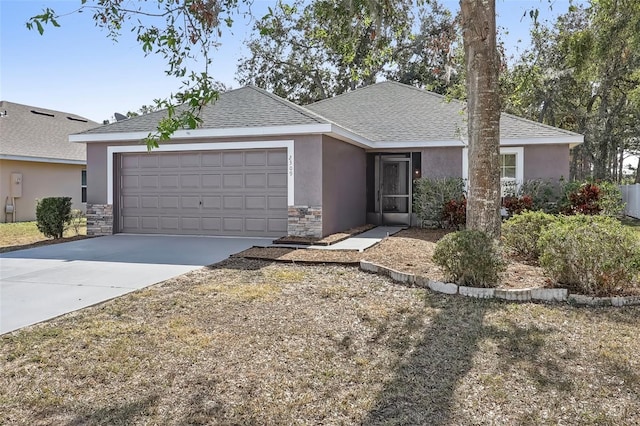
(482, 62)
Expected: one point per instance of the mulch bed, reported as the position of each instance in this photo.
(326, 241)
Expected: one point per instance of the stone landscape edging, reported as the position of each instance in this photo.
(519, 294)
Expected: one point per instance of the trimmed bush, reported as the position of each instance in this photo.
(593, 255)
(592, 198)
(543, 193)
(517, 205)
(454, 214)
(430, 196)
(52, 214)
(470, 258)
(521, 232)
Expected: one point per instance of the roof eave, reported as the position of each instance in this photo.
(206, 133)
(42, 159)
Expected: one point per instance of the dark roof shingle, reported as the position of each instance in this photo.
(395, 112)
(27, 131)
(248, 106)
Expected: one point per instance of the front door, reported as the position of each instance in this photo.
(395, 190)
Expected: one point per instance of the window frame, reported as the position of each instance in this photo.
(517, 150)
(83, 186)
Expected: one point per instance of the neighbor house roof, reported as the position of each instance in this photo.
(395, 112)
(248, 106)
(40, 134)
(383, 115)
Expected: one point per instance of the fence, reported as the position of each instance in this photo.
(631, 196)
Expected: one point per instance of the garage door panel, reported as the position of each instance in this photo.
(232, 181)
(211, 181)
(277, 225)
(148, 161)
(255, 180)
(130, 182)
(150, 223)
(169, 182)
(190, 223)
(211, 223)
(277, 180)
(169, 161)
(277, 203)
(277, 158)
(232, 202)
(255, 202)
(168, 202)
(149, 202)
(255, 224)
(170, 223)
(232, 224)
(190, 202)
(210, 192)
(190, 160)
(233, 159)
(211, 159)
(130, 202)
(212, 202)
(256, 158)
(189, 181)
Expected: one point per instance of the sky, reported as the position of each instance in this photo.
(77, 69)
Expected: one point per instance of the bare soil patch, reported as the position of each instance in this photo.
(328, 240)
(410, 251)
(254, 342)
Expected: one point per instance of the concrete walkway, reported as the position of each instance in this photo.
(362, 241)
(45, 282)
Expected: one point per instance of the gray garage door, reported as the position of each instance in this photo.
(204, 193)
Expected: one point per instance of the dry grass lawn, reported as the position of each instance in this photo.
(252, 342)
(20, 235)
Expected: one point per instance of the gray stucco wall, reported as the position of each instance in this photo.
(546, 162)
(442, 162)
(343, 186)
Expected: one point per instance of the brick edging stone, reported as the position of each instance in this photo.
(520, 295)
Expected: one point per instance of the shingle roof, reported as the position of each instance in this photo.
(248, 106)
(27, 131)
(394, 112)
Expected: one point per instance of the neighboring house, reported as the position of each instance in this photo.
(262, 166)
(37, 160)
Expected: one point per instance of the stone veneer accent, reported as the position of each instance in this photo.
(99, 219)
(305, 221)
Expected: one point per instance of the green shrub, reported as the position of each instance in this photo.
(593, 255)
(52, 214)
(454, 214)
(544, 194)
(521, 232)
(610, 202)
(600, 197)
(470, 258)
(430, 196)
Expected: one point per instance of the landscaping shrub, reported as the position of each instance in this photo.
(592, 198)
(517, 205)
(470, 258)
(430, 196)
(544, 194)
(454, 214)
(52, 214)
(594, 255)
(521, 232)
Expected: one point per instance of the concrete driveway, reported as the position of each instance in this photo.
(41, 283)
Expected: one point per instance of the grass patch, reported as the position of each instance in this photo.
(19, 235)
(250, 342)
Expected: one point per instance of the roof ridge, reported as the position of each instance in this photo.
(298, 108)
(46, 110)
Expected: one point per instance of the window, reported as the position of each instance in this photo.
(511, 168)
(84, 186)
(508, 180)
